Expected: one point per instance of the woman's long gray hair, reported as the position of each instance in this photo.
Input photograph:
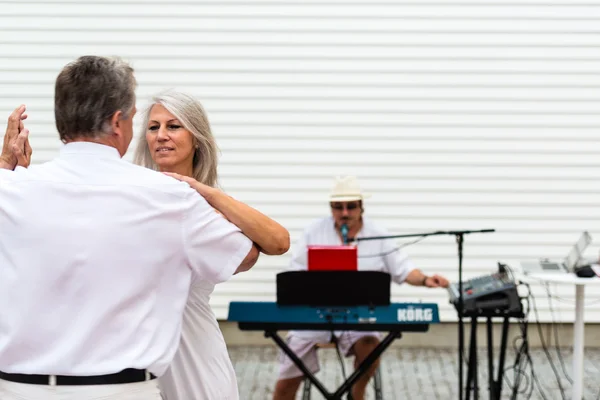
(192, 116)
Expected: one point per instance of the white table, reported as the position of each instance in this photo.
(578, 325)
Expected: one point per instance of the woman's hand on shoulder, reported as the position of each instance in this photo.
(204, 190)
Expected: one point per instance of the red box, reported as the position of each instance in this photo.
(332, 258)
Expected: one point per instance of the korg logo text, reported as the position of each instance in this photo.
(415, 314)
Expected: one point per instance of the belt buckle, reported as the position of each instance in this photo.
(52, 380)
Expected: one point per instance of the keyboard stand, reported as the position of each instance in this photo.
(495, 386)
(347, 385)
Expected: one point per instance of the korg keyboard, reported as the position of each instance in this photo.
(407, 317)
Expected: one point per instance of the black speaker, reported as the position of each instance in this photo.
(333, 288)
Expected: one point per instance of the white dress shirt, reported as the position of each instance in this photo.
(373, 255)
(96, 260)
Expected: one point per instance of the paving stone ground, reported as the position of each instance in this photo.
(417, 373)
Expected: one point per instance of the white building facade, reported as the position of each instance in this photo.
(454, 114)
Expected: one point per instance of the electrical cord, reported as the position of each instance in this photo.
(570, 301)
(562, 299)
(524, 382)
(523, 360)
(335, 341)
(544, 347)
(556, 340)
(535, 383)
(554, 325)
(518, 369)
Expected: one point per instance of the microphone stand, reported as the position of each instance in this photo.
(459, 241)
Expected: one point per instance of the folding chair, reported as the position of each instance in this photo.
(376, 378)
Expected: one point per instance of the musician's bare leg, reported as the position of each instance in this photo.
(286, 389)
(361, 349)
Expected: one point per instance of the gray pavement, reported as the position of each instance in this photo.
(418, 373)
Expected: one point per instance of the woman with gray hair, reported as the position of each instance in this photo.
(177, 140)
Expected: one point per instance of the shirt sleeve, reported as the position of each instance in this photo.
(6, 173)
(9, 175)
(396, 261)
(214, 246)
(299, 261)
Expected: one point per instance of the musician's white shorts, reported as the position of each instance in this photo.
(147, 390)
(304, 347)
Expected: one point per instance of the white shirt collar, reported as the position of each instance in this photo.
(90, 148)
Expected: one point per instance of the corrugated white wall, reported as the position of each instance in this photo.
(455, 114)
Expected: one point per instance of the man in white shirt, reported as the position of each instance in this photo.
(97, 254)
(346, 203)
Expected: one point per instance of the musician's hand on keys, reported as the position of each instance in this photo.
(435, 281)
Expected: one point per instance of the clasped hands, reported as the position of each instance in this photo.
(16, 150)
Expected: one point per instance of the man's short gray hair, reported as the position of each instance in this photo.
(88, 92)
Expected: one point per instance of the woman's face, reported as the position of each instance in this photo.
(170, 144)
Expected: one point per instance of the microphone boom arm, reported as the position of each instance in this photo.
(436, 233)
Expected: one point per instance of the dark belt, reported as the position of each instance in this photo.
(129, 375)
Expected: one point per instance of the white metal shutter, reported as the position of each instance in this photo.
(454, 114)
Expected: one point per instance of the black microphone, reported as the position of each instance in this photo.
(344, 231)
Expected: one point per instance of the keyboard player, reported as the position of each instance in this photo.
(346, 201)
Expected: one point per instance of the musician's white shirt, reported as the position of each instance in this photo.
(373, 255)
(201, 369)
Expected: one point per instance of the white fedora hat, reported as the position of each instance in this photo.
(347, 189)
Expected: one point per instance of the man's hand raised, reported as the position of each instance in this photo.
(21, 149)
(15, 148)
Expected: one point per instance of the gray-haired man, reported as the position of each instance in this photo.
(97, 254)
